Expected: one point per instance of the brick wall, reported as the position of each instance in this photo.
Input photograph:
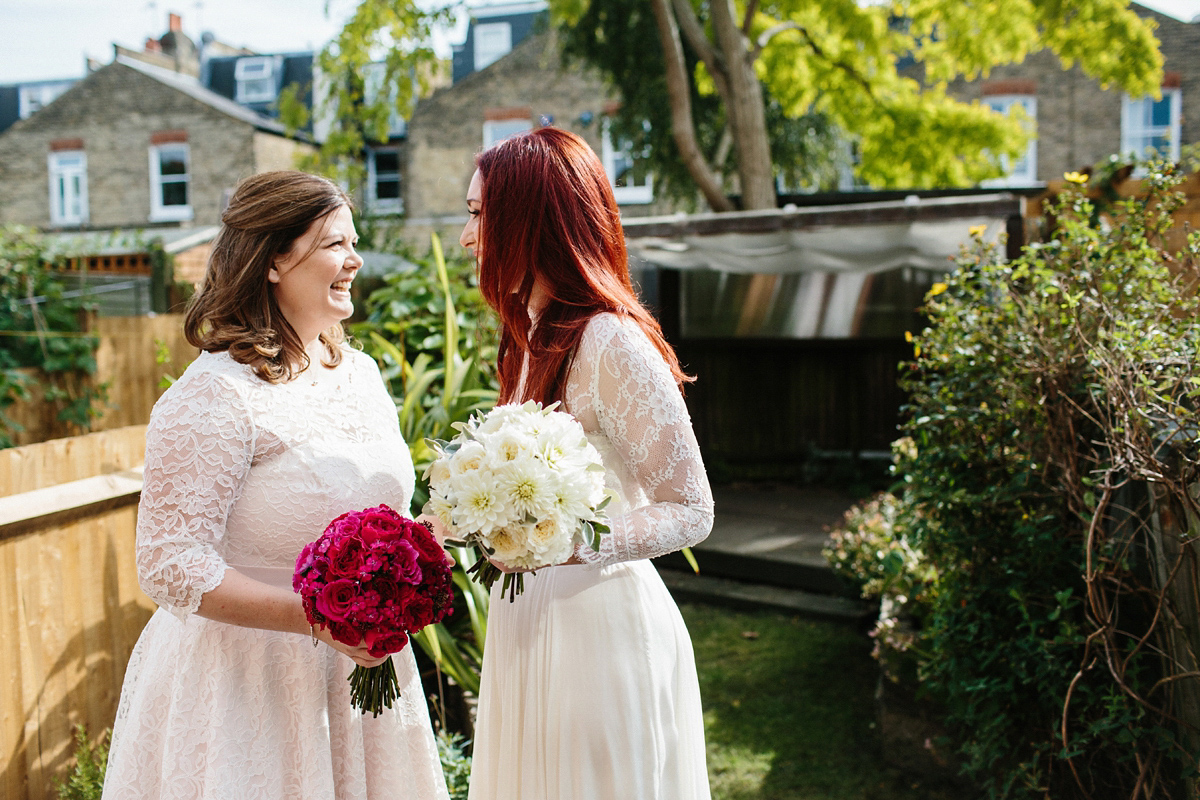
(115, 111)
(446, 130)
(276, 152)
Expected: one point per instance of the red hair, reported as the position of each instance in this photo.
(548, 215)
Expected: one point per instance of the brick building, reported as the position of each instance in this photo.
(134, 145)
(1078, 123)
(525, 88)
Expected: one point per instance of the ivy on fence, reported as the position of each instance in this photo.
(43, 330)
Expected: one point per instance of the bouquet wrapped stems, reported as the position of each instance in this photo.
(374, 688)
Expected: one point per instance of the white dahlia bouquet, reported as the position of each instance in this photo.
(523, 485)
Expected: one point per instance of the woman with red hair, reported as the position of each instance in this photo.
(589, 685)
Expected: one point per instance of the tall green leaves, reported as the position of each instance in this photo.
(433, 337)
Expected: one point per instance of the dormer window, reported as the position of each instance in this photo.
(492, 40)
(256, 79)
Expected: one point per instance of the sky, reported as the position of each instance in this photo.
(46, 39)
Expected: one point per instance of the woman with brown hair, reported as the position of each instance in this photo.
(589, 685)
(273, 431)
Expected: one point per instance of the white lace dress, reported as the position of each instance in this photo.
(589, 687)
(241, 473)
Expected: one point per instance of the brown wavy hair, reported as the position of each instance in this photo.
(235, 309)
(548, 215)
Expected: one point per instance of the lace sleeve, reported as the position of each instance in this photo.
(640, 410)
(199, 445)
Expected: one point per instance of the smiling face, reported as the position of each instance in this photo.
(312, 280)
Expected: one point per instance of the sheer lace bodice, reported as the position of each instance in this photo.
(243, 472)
(624, 395)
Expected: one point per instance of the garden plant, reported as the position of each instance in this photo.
(43, 338)
(1048, 487)
(433, 336)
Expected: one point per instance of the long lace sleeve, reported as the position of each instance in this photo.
(199, 447)
(641, 412)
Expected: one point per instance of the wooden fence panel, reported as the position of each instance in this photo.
(70, 609)
(778, 401)
(126, 361)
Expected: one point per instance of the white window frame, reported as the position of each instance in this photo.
(68, 197)
(495, 130)
(1136, 132)
(387, 205)
(613, 159)
(1024, 171)
(256, 79)
(169, 213)
(493, 41)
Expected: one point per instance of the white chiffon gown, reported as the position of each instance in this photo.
(589, 688)
(242, 474)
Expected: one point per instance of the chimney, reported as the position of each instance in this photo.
(174, 23)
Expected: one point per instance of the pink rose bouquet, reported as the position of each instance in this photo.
(374, 577)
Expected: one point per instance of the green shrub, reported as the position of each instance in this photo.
(42, 329)
(874, 551)
(435, 341)
(1045, 394)
(86, 781)
(456, 764)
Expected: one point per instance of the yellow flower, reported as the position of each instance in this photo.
(977, 230)
(1077, 178)
(937, 289)
(908, 336)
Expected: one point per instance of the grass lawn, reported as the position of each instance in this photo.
(789, 710)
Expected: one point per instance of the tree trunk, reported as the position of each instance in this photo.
(682, 125)
(746, 110)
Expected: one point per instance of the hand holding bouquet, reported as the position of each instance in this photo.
(374, 578)
(523, 484)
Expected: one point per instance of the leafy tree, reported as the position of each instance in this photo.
(756, 70)
(763, 88)
(355, 97)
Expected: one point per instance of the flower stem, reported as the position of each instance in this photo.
(374, 688)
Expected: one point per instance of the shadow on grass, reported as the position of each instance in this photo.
(789, 710)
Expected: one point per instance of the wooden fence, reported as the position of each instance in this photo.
(763, 402)
(126, 361)
(70, 606)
